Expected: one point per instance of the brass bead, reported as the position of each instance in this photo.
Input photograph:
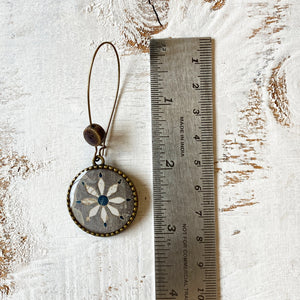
(94, 134)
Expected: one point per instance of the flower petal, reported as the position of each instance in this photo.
(94, 211)
(117, 200)
(91, 190)
(112, 189)
(88, 201)
(101, 186)
(104, 215)
(113, 210)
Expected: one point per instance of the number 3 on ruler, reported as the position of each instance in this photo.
(172, 228)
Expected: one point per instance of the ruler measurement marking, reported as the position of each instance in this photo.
(193, 58)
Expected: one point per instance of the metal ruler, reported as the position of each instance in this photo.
(183, 168)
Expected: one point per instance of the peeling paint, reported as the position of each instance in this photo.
(234, 206)
(155, 12)
(242, 148)
(242, 202)
(278, 101)
(140, 26)
(136, 20)
(217, 4)
(236, 232)
(271, 22)
(273, 19)
(13, 244)
(243, 157)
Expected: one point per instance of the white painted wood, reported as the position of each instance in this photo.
(45, 52)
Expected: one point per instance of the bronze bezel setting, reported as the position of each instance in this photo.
(134, 194)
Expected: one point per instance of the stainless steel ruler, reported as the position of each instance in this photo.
(183, 168)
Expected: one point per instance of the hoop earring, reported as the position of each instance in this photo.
(101, 199)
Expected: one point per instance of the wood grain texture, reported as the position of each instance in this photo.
(136, 20)
(45, 53)
(217, 4)
(277, 89)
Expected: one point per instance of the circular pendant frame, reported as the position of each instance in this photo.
(134, 196)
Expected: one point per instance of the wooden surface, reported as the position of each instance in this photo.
(45, 52)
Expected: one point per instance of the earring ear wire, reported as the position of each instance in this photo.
(94, 134)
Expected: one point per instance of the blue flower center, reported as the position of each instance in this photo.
(103, 200)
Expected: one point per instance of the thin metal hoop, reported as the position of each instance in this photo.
(97, 158)
(117, 92)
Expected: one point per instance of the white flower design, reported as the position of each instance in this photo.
(103, 201)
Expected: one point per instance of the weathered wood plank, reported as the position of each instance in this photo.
(45, 52)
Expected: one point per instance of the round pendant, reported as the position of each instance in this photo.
(102, 200)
